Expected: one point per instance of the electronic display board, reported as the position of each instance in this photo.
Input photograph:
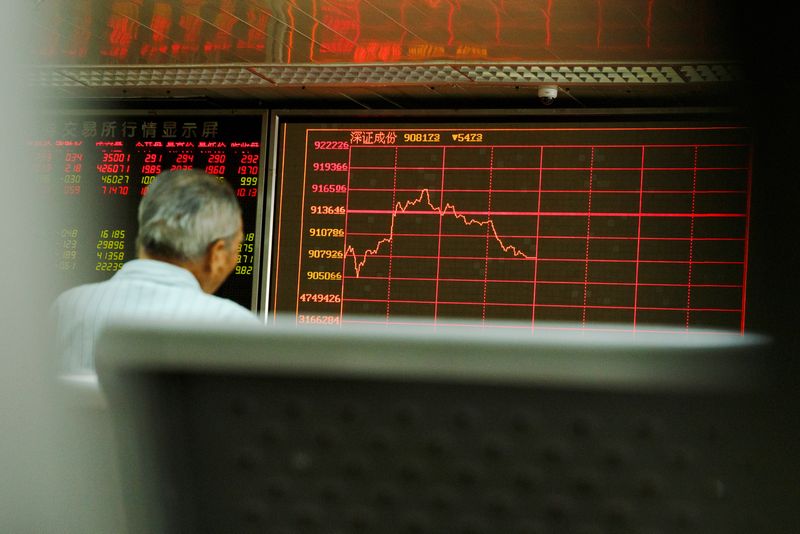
(623, 224)
(95, 167)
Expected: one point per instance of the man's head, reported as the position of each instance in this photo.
(191, 219)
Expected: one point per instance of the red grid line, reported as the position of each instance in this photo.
(632, 146)
(595, 191)
(555, 237)
(588, 233)
(538, 240)
(691, 244)
(540, 305)
(488, 214)
(391, 243)
(541, 282)
(536, 213)
(638, 242)
(547, 326)
(439, 246)
(528, 169)
(746, 240)
(472, 146)
(565, 260)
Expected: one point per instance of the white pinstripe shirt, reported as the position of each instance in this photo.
(142, 289)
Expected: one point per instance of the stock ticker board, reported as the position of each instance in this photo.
(514, 225)
(94, 169)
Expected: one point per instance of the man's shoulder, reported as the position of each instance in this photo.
(76, 292)
(227, 307)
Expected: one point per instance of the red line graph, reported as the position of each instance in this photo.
(424, 197)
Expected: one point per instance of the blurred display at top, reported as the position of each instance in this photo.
(197, 32)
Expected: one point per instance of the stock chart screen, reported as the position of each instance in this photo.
(94, 169)
(624, 225)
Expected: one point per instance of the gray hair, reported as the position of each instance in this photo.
(184, 212)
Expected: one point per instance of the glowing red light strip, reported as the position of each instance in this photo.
(599, 28)
(547, 24)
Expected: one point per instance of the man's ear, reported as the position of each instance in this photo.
(216, 256)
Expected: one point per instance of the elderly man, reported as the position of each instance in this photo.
(190, 229)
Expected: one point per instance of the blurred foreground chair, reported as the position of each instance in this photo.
(338, 430)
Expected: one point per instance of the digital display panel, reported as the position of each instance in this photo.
(95, 168)
(621, 224)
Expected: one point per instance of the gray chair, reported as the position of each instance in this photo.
(338, 430)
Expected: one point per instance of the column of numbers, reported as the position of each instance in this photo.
(245, 258)
(73, 165)
(110, 249)
(69, 249)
